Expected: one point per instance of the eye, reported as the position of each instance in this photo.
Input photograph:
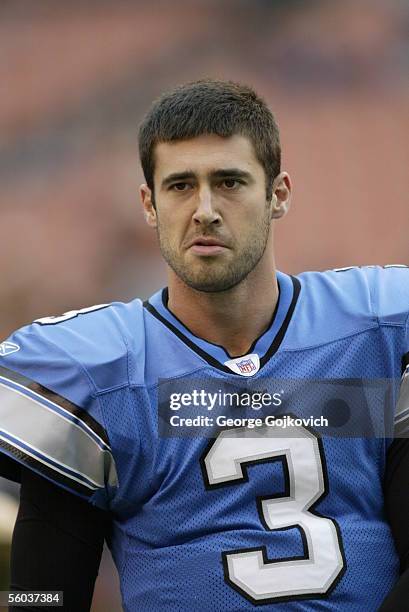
(180, 186)
(231, 183)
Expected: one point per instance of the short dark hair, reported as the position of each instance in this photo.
(209, 106)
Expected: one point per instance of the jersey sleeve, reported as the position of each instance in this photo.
(392, 292)
(50, 418)
(401, 424)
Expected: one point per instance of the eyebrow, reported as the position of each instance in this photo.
(231, 173)
(178, 176)
(222, 173)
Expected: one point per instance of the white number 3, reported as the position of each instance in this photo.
(248, 570)
(71, 314)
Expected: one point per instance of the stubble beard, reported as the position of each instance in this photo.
(211, 276)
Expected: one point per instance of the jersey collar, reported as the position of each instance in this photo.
(263, 347)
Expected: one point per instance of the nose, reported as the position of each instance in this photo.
(206, 213)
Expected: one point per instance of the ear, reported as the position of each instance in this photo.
(280, 201)
(147, 205)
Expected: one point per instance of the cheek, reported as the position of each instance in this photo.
(248, 216)
(172, 226)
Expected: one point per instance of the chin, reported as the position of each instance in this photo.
(210, 285)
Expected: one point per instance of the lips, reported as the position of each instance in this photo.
(205, 245)
(207, 242)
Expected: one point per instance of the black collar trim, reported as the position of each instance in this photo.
(214, 362)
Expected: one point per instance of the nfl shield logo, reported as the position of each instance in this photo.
(246, 366)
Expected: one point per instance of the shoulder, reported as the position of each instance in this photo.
(381, 292)
(342, 302)
(389, 286)
(93, 342)
(51, 374)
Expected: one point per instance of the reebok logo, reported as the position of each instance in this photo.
(8, 347)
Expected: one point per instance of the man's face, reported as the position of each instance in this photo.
(212, 216)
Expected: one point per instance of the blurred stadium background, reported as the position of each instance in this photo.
(76, 79)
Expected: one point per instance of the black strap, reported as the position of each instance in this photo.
(398, 598)
(396, 490)
(57, 543)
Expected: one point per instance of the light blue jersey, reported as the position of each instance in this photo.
(212, 517)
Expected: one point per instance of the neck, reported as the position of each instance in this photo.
(232, 318)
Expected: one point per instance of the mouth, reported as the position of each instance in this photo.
(207, 246)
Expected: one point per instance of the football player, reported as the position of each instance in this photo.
(203, 517)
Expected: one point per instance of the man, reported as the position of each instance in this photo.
(256, 515)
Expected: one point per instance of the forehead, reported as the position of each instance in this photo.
(204, 154)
